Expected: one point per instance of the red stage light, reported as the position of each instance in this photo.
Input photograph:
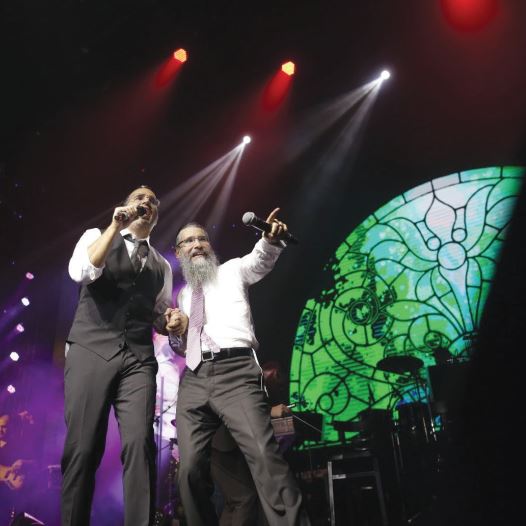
(288, 68)
(181, 55)
(469, 15)
(277, 88)
(169, 70)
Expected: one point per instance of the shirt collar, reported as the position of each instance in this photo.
(127, 231)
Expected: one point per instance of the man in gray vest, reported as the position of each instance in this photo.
(126, 287)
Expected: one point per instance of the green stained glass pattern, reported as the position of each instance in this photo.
(411, 280)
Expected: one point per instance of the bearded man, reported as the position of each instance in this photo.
(223, 382)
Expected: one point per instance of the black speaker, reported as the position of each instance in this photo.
(448, 382)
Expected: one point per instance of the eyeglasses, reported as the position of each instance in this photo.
(150, 198)
(191, 240)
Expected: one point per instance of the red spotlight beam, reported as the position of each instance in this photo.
(170, 68)
(276, 91)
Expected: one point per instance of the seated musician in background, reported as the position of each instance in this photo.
(278, 395)
(229, 469)
(16, 459)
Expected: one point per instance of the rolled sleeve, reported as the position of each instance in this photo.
(80, 268)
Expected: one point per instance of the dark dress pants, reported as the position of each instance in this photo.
(231, 391)
(92, 386)
(231, 473)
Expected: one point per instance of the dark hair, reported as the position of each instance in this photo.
(273, 374)
(188, 225)
(140, 186)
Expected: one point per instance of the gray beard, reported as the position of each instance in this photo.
(198, 274)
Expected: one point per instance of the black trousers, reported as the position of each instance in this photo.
(231, 473)
(92, 386)
(231, 391)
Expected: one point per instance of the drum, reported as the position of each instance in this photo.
(414, 421)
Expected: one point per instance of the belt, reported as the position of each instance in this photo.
(228, 352)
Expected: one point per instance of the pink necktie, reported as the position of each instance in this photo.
(195, 331)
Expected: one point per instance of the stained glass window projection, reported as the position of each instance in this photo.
(411, 280)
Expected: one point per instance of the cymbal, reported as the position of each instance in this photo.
(400, 364)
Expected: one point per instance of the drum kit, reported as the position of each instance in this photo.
(436, 396)
(411, 437)
(420, 430)
(415, 418)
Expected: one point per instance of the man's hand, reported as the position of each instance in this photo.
(278, 228)
(279, 411)
(120, 212)
(176, 321)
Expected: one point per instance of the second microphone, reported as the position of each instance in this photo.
(251, 219)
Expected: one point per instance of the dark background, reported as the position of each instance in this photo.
(71, 147)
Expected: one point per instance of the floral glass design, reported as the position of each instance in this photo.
(411, 280)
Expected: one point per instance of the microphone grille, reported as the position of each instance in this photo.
(248, 217)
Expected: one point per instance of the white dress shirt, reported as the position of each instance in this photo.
(82, 271)
(228, 319)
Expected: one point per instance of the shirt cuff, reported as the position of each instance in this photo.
(267, 246)
(93, 272)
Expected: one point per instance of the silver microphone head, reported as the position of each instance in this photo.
(248, 217)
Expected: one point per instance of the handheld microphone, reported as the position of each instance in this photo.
(251, 219)
(122, 216)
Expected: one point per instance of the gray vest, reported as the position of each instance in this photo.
(117, 309)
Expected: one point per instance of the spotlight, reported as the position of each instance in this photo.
(14, 356)
(11, 389)
(29, 275)
(289, 68)
(384, 75)
(25, 302)
(246, 139)
(20, 328)
(470, 15)
(181, 55)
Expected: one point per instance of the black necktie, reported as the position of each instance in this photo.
(140, 250)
